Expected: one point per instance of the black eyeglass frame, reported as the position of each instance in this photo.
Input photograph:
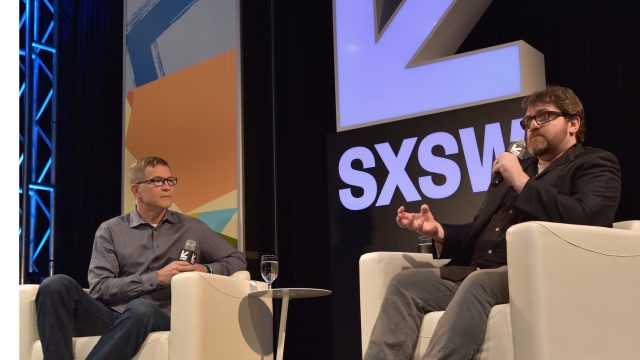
(542, 118)
(159, 181)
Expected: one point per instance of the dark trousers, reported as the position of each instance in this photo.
(65, 310)
(460, 331)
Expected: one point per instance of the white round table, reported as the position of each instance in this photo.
(285, 294)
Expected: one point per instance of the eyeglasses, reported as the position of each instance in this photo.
(158, 181)
(541, 118)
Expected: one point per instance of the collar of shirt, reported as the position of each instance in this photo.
(135, 219)
(568, 155)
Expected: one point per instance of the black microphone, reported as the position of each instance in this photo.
(188, 254)
(517, 148)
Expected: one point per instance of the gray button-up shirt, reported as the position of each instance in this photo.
(127, 252)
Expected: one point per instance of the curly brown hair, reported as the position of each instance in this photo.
(563, 98)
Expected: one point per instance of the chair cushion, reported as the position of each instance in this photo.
(497, 342)
(156, 346)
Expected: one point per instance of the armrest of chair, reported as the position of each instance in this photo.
(376, 270)
(573, 291)
(213, 318)
(28, 330)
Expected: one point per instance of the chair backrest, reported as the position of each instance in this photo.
(572, 290)
(628, 225)
(28, 333)
(242, 275)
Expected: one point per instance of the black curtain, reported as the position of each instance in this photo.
(287, 69)
(89, 128)
(258, 131)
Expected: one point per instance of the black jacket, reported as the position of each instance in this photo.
(580, 187)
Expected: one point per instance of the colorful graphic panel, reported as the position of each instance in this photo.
(181, 103)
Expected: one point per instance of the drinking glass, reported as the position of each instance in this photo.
(269, 268)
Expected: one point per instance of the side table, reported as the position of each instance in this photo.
(285, 294)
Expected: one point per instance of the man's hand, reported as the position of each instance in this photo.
(423, 222)
(508, 165)
(174, 268)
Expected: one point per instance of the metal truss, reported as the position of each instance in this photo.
(38, 44)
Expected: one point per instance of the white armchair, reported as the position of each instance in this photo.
(572, 289)
(211, 318)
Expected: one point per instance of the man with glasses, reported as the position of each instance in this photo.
(134, 258)
(563, 182)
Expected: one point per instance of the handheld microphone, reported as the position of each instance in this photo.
(188, 254)
(517, 148)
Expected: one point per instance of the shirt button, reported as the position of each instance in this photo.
(497, 229)
(490, 251)
(510, 211)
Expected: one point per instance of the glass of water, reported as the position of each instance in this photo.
(269, 268)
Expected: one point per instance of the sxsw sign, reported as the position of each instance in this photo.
(357, 162)
(395, 60)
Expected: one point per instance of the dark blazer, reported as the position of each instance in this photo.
(580, 187)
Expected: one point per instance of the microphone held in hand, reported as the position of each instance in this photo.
(425, 244)
(517, 148)
(188, 254)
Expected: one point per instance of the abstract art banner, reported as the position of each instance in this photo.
(181, 102)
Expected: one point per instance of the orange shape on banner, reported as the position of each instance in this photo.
(189, 118)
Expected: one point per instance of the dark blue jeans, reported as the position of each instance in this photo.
(64, 310)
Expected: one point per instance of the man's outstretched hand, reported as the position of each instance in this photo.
(423, 222)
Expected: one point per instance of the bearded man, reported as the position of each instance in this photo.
(564, 181)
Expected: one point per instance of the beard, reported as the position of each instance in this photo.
(539, 144)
